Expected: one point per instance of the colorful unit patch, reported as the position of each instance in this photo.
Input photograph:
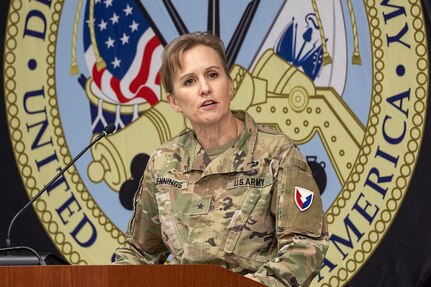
(303, 198)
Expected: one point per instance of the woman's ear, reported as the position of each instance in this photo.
(173, 102)
(231, 90)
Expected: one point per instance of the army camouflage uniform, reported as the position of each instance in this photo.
(237, 211)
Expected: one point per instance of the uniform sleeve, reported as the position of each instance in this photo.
(301, 228)
(144, 244)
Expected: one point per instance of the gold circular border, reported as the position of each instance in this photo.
(361, 255)
(374, 237)
(21, 158)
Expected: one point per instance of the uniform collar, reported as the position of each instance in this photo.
(238, 158)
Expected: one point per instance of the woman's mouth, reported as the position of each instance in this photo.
(208, 103)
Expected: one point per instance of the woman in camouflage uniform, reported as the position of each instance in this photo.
(228, 192)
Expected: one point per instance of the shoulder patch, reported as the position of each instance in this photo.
(303, 198)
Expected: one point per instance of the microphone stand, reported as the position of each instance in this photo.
(25, 260)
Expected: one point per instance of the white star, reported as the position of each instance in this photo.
(114, 18)
(108, 3)
(110, 42)
(124, 39)
(134, 26)
(102, 25)
(116, 63)
(128, 10)
(97, 1)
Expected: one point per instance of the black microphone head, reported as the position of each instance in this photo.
(109, 129)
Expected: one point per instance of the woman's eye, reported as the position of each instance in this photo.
(189, 82)
(212, 75)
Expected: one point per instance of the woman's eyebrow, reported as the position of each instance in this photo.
(185, 76)
(192, 74)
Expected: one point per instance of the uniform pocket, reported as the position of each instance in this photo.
(239, 219)
(170, 234)
(251, 230)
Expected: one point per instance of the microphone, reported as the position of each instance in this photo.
(109, 129)
(13, 260)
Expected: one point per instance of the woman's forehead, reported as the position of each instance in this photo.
(198, 56)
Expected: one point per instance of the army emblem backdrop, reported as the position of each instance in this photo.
(347, 80)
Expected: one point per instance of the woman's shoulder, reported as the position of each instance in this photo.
(177, 142)
(270, 134)
(169, 155)
(268, 129)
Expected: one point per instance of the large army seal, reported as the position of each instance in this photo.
(372, 157)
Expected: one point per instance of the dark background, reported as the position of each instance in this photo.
(402, 259)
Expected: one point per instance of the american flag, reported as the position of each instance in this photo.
(130, 50)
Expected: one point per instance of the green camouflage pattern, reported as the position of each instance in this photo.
(237, 211)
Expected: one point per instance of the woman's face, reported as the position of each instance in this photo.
(202, 90)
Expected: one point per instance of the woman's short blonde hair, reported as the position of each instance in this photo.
(171, 56)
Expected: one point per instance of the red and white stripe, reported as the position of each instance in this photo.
(141, 83)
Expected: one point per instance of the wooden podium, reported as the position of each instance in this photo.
(122, 276)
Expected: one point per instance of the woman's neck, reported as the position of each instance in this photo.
(215, 135)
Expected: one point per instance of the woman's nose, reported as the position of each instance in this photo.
(205, 88)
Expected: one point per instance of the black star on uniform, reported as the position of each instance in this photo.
(200, 206)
